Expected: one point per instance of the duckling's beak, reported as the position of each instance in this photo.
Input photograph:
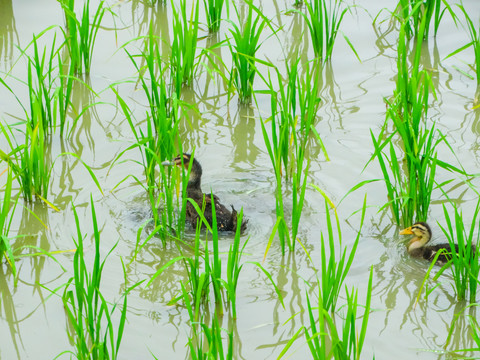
(168, 163)
(407, 231)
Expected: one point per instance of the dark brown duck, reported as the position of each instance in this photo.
(226, 219)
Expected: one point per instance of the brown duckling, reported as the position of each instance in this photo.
(226, 219)
(417, 245)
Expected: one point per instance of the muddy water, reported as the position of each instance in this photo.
(228, 141)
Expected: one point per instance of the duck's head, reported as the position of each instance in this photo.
(422, 235)
(183, 160)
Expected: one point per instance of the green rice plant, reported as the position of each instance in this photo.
(324, 339)
(81, 33)
(162, 117)
(162, 102)
(413, 13)
(464, 261)
(41, 92)
(475, 330)
(243, 47)
(6, 217)
(234, 266)
(214, 9)
(410, 183)
(49, 86)
(28, 162)
(184, 45)
(474, 32)
(93, 330)
(206, 342)
(293, 107)
(335, 270)
(323, 22)
(160, 186)
(63, 94)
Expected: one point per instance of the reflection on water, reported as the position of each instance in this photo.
(8, 32)
(243, 137)
(8, 312)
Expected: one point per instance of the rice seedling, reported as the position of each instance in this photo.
(6, 216)
(28, 161)
(206, 342)
(92, 330)
(159, 184)
(335, 271)
(184, 45)
(41, 89)
(474, 32)
(214, 9)
(294, 108)
(49, 87)
(243, 47)
(323, 338)
(163, 104)
(475, 330)
(417, 11)
(410, 183)
(80, 33)
(464, 262)
(205, 274)
(63, 93)
(323, 23)
(233, 263)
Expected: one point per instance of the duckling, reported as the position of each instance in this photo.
(417, 245)
(226, 219)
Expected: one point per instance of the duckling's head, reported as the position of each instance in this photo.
(422, 233)
(194, 180)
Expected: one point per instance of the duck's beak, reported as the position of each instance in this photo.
(407, 231)
(168, 163)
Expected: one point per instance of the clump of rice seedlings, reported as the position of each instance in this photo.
(41, 86)
(93, 330)
(49, 87)
(28, 161)
(323, 21)
(334, 271)
(294, 107)
(214, 9)
(6, 217)
(184, 45)
(159, 140)
(81, 33)
(464, 262)
(163, 103)
(243, 47)
(328, 340)
(420, 13)
(214, 264)
(158, 183)
(206, 282)
(206, 342)
(410, 183)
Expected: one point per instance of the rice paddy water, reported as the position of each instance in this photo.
(329, 125)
